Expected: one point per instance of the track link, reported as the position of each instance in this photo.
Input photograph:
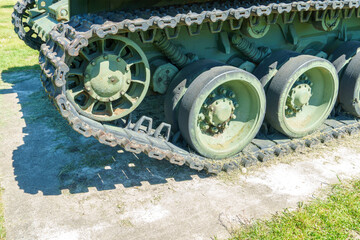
(22, 29)
(67, 39)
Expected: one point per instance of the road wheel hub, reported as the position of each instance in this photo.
(107, 78)
(220, 111)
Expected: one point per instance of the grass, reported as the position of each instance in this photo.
(14, 53)
(335, 217)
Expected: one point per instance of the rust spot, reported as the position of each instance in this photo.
(119, 111)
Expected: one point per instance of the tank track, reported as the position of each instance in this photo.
(140, 136)
(20, 9)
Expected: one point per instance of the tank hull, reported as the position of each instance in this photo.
(100, 67)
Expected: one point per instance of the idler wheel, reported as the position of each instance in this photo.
(108, 79)
(301, 94)
(346, 60)
(222, 111)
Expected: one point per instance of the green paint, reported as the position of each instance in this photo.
(111, 81)
(106, 77)
(297, 107)
(226, 110)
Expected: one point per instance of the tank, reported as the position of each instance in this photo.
(213, 85)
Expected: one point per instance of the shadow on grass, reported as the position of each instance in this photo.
(54, 157)
(20, 69)
(7, 6)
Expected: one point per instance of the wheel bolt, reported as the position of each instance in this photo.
(93, 63)
(204, 126)
(201, 117)
(212, 94)
(87, 76)
(214, 129)
(128, 81)
(233, 116)
(236, 105)
(222, 91)
(205, 105)
(118, 59)
(106, 57)
(231, 94)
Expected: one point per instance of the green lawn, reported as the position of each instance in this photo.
(335, 217)
(13, 52)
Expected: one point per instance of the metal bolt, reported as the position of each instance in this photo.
(233, 116)
(127, 68)
(111, 98)
(128, 81)
(106, 57)
(214, 129)
(212, 94)
(63, 12)
(231, 94)
(118, 59)
(93, 63)
(222, 91)
(201, 117)
(88, 88)
(122, 92)
(205, 105)
(204, 126)
(236, 105)
(87, 76)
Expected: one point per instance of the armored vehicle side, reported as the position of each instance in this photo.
(210, 84)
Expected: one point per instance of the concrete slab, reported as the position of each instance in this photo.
(60, 185)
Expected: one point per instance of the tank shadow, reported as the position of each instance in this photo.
(53, 157)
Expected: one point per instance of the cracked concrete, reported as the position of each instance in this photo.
(60, 185)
